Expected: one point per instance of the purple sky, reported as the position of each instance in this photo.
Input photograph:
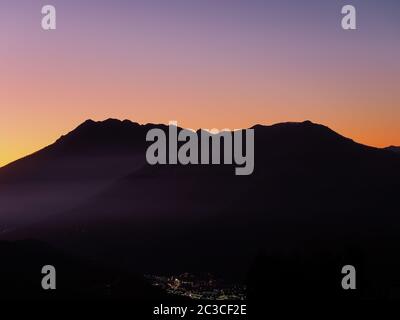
(221, 63)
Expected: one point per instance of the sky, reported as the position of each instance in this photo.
(209, 64)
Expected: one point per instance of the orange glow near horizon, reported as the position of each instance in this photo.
(153, 65)
(46, 101)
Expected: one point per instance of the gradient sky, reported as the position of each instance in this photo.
(211, 64)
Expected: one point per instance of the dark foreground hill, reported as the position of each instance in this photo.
(77, 279)
(315, 201)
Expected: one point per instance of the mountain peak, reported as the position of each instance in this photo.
(105, 123)
(102, 134)
(307, 124)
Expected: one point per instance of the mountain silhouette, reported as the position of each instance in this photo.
(313, 193)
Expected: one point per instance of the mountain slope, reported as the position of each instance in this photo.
(92, 192)
(75, 167)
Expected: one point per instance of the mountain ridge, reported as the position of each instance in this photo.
(92, 128)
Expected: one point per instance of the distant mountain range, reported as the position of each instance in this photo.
(393, 148)
(93, 194)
